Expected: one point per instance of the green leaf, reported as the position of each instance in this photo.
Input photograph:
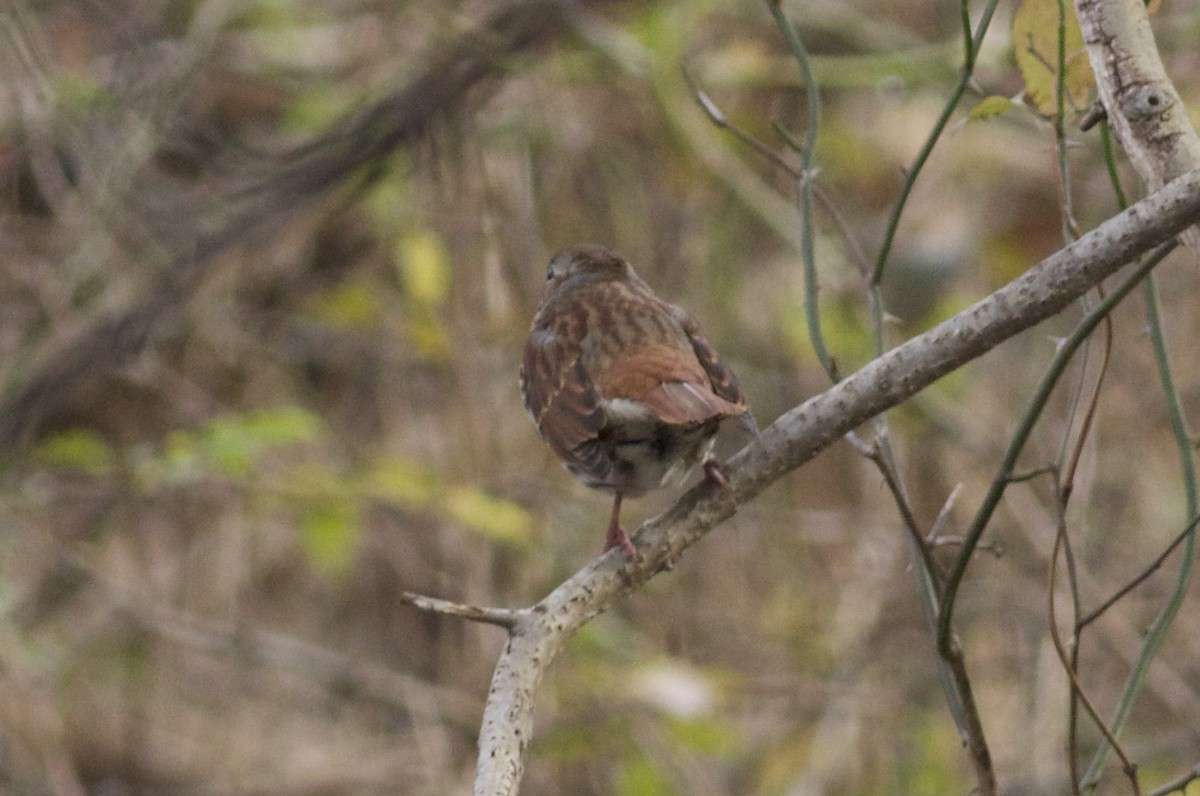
(1035, 43)
(845, 329)
(282, 426)
(76, 449)
(227, 449)
(401, 481)
(180, 461)
(990, 107)
(352, 304)
(640, 777)
(429, 335)
(496, 517)
(389, 200)
(329, 531)
(419, 487)
(424, 266)
(232, 445)
(318, 107)
(707, 735)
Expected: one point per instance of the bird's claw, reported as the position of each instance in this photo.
(712, 471)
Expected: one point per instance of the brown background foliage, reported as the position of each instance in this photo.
(208, 514)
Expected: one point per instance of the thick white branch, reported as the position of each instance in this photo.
(1143, 108)
(539, 632)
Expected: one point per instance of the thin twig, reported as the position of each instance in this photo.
(1053, 373)
(997, 550)
(971, 43)
(1072, 663)
(1029, 475)
(1064, 484)
(1089, 417)
(1070, 233)
(1157, 632)
(857, 255)
(721, 121)
(503, 617)
(344, 673)
(943, 516)
(874, 453)
(1065, 658)
(1179, 784)
(1147, 572)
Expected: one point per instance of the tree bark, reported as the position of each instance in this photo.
(1143, 107)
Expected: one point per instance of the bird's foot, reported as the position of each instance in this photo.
(712, 471)
(617, 537)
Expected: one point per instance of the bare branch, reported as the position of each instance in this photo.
(1067, 658)
(943, 516)
(504, 617)
(1141, 577)
(342, 673)
(796, 437)
(875, 454)
(346, 674)
(1068, 479)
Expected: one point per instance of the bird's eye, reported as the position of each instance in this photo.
(549, 273)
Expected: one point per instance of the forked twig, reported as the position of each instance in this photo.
(875, 454)
(1128, 766)
(1133, 584)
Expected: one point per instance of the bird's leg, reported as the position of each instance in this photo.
(712, 471)
(616, 534)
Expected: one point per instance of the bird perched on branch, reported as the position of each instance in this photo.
(623, 386)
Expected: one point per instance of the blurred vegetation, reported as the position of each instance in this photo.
(306, 402)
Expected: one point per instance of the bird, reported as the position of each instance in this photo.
(623, 386)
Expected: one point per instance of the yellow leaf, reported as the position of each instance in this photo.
(424, 268)
(1035, 41)
(402, 481)
(988, 107)
(492, 516)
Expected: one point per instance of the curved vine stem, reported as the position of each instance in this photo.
(971, 43)
(1162, 623)
(807, 175)
(1158, 630)
(1069, 657)
(1049, 380)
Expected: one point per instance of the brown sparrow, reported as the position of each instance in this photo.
(622, 385)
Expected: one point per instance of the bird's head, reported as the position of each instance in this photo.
(585, 264)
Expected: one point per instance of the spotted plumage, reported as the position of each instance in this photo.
(623, 386)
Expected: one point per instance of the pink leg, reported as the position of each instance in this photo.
(712, 471)
(616, 534)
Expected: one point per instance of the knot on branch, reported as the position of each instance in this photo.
(1146, 102)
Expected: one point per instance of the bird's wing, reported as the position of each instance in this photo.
(668, 381)
(564, 403)
(717, 373)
